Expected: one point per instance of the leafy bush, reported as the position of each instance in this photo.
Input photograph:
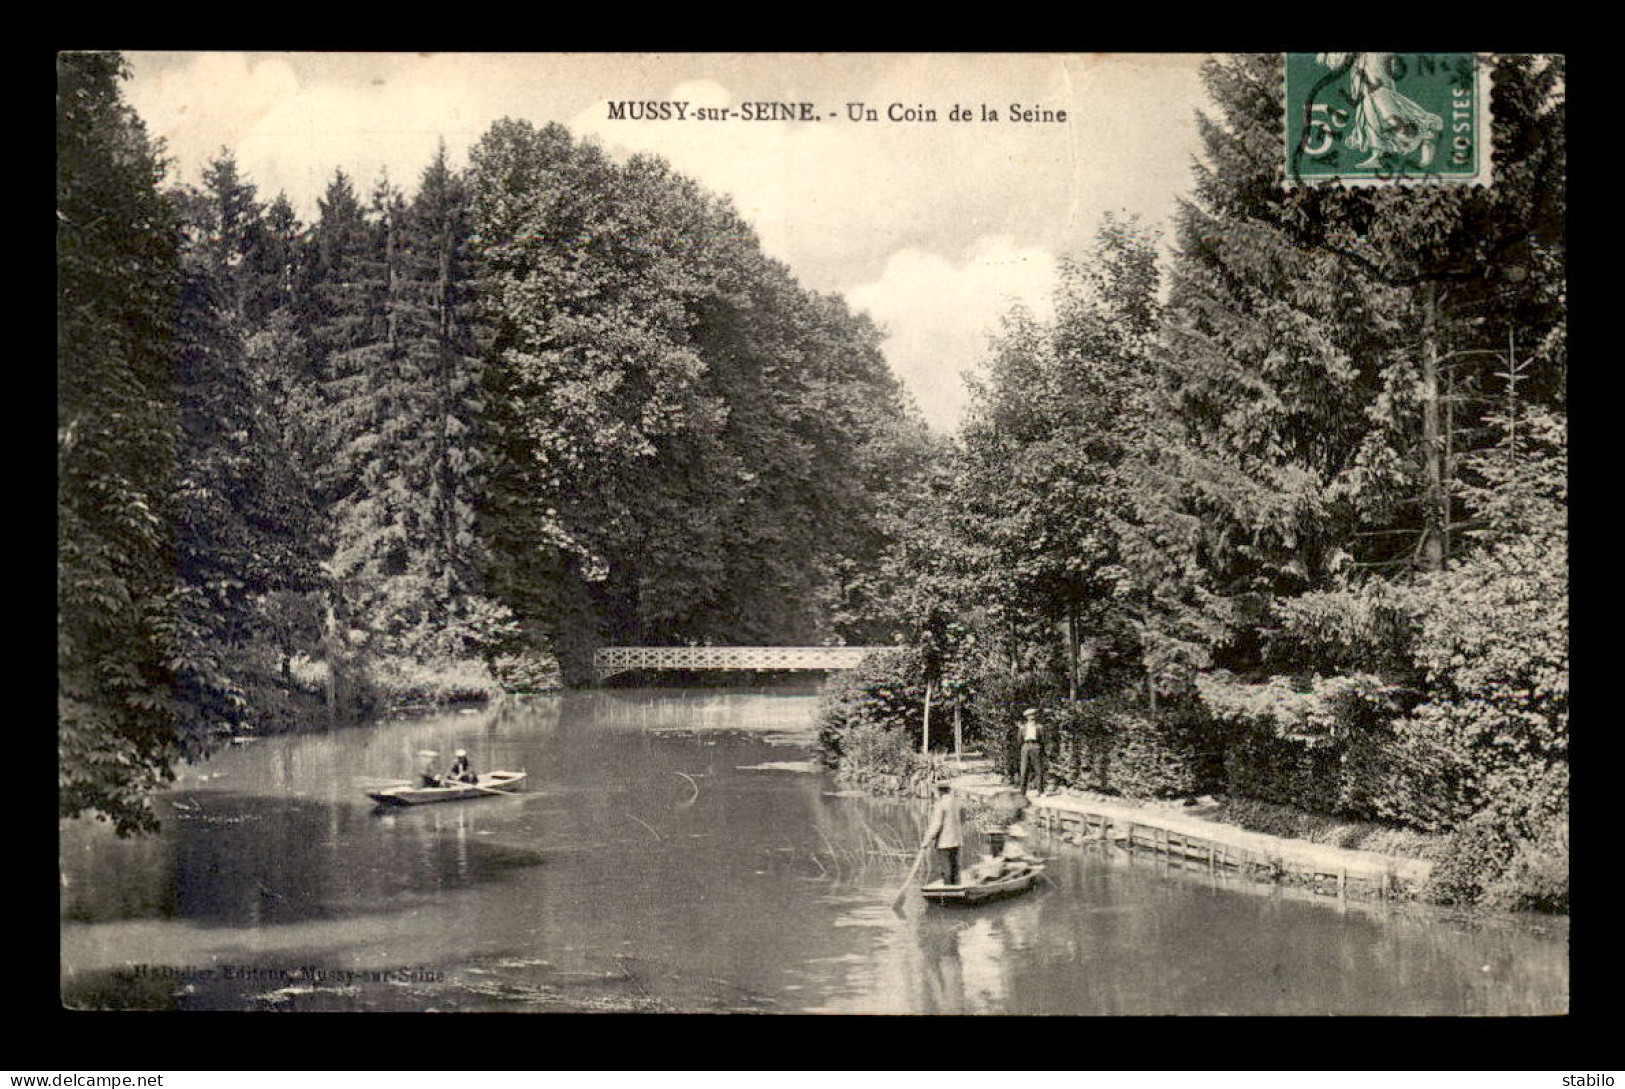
(1512, 854)
(1287, 771)
(885, 761)
(1489, 746)
(527, 671)
(1174, 756)
(1494, 647)
(886, 691)
(1370, 627)
(1475, 855)
(1537, 877)
(1079, 743)
(401, 681)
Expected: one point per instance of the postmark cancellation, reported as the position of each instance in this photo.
(1387, 119)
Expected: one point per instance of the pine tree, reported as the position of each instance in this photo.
(1322, 357)
(245, 523)
(405, 527)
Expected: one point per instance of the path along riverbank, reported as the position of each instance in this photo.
(1182, 833)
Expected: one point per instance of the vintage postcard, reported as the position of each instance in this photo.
(940, 533)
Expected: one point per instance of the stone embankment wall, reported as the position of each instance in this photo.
(1200, 844)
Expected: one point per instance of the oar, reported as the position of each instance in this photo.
(897, 902)
(492, 790)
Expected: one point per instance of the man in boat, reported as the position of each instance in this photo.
(943, 831)
(461, 770)
(1032, 750)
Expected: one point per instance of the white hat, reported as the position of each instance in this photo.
(461, 752)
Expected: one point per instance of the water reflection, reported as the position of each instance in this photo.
(668, 856)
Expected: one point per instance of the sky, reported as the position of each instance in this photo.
(935, 228)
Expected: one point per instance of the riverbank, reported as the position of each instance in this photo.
(386, 686)
(1198, 834)
(672, 853)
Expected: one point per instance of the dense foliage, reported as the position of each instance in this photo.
(885, 693)
(118, 288)
(685, 443)
(432, 444)
(1283, 514)
(1294, 527)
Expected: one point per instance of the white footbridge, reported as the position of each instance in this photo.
(608, 661)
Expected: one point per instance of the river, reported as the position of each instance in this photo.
(678, 850)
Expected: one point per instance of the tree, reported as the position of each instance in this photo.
(1043, 489)
(1492, 640)
(1326, 355)
(404, 521)
(117, 291)
(671, 421)
(244, 523)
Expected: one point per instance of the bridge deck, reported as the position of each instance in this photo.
(609, 661)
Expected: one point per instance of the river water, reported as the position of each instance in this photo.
(677, 850)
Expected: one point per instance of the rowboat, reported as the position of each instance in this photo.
(491, 782)
(1012, 884)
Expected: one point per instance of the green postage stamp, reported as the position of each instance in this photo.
(1387, 118)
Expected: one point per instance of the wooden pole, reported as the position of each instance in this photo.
(959, 738)
(925, 726)
(902, 892)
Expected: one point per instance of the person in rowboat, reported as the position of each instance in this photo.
(461, 770)
(943, 831)
(426, 773)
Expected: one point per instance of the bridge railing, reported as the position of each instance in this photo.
(608, 661)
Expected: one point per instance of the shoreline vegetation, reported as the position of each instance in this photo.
(870, 731)
(1280, 520)
(392, 687)
(1272, 510)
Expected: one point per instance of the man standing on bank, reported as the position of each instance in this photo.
(1032, 750)
(944, 832)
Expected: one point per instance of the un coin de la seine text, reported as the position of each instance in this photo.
(860, 112)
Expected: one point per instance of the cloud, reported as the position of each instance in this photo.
(932, 227)
(939, 313)
(215, 100)
(293, 119)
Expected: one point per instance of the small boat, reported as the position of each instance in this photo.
(496, 782)
(1011, 884)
